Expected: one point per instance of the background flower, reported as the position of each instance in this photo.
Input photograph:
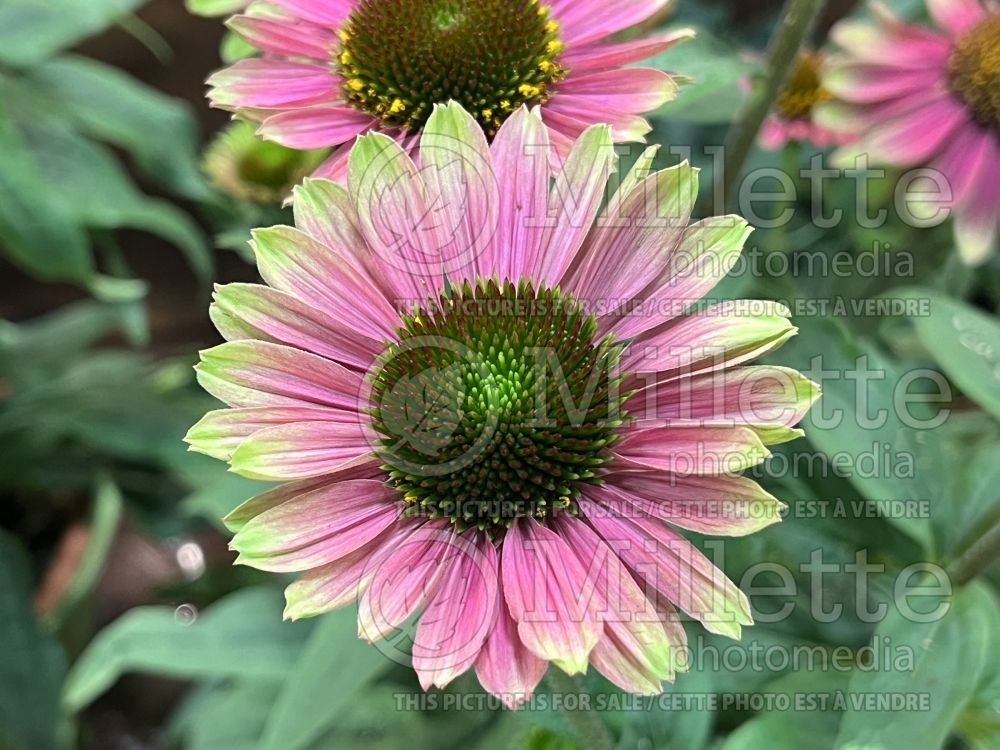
(333, 69)
(792, 117)
(917, 97)
(444, 486)
(244, 166)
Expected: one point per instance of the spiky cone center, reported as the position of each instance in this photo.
(497, 401)
(398, 58)
(975, 71)
(804, 89)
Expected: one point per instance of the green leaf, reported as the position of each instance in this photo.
(682, 729)
(213, 8)
(966, 345)
(948, 660)
(58, 335)
(793, 729)
(105, 517)
(979, 724)
(41, 236)
(856, 423)
(32, 663)
(84, 175)
(229, 716)
(157, 130)
(33, 30)
(717, 69)
(334, 667)
(241, 636)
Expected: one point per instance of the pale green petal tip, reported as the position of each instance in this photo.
(294, 611)
(206, 437)
(237, 519)
(572, 666)
(975, 246)
(367, 149)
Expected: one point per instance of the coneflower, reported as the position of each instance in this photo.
(500, 417)
(331, 70)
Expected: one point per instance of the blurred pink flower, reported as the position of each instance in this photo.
(334, 69)
(463, 438)
(792, 117)
(919, 97)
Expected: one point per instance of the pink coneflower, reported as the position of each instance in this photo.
(920, 98)
(511, 453)
(334, 69)
(792, 117)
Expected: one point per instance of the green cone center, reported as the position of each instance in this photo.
(496, 402)
(975, 71)
(399, 58)
(804, 89)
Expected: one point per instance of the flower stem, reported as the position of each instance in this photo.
(587, 725)
(797, 20)
(977, 558)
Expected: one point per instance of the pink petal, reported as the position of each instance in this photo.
(317, 527)
(296, 264)
(692, 450)
(964, 157)
(956, 16)
(319, 126)
(339, 583)
(326, 12)
(586, 20)
(721, 335)
(285, 37)
(635, 650)
(325, 211)
(897, 44)
(976, 219)
(395, 218)
(573, 114)
(751, 396)
(625, 89)
(221, 432)
(405, 579)
(670, 564)
(773, 134)
(913, 139)
(628, 249)
(302, 450)
(335, 167)
(706, 253)
(256, 373)
(254, 311)
(460, 614)
(505, 667)
(546, 588)
(865, 83)
(266, 82)
(287, 492)
(575, 200)
(589, 57)
(723, 505)
(462, 190)
(520, 152)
